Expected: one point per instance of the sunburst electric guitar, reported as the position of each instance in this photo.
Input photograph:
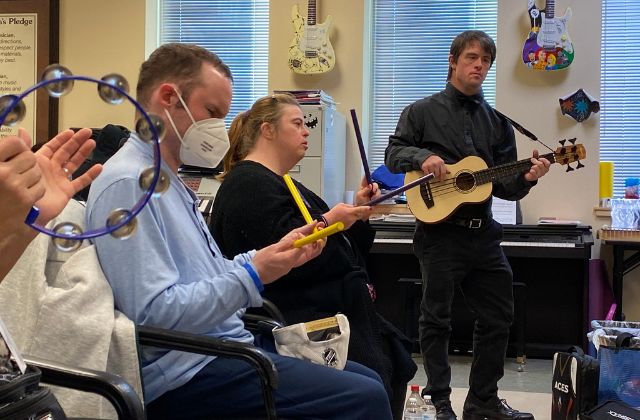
(471, 181)
(548, 46)
(310, 51)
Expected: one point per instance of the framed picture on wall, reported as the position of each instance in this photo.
(29, 35)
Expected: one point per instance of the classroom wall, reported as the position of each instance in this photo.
(99, 37)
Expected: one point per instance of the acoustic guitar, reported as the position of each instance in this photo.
(548, 46)
(471, 181)
(310, 51)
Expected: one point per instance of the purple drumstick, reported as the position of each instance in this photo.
(363, 154)
(399, 190)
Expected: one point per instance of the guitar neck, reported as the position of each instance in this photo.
(509, 169)
(549, 9)
(311, 12)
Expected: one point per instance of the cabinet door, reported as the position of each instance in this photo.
(308, 171)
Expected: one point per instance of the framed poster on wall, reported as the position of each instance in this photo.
(29, 43)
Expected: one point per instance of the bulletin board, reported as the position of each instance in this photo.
(29, 38)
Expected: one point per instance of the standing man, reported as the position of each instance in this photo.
(171, 273)
(463, 251)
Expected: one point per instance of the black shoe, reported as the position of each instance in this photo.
(500, 411)
(444, 410)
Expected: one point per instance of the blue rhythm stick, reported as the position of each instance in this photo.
(397, 191)
(363, 154)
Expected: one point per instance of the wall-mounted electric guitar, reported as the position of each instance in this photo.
(310, 51)
(471, 181)
(548, 46)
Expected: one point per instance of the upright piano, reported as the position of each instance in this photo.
(550, 262)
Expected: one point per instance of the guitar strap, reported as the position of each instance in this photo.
(517, 126)
(521, 129)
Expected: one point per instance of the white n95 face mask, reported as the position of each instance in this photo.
(204, 143)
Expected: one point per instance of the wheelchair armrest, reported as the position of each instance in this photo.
(116, 390)
(260, 324)
(273, 312)
(182, 341)
(263, 319)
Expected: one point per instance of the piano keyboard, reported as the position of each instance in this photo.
(393, 241)
(503, 243)
(539, 244)
(205, 206)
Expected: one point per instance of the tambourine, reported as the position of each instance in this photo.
(113, 89)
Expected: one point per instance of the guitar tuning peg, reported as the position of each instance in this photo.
(579, 165)
(569, 168)
(573, 140)
(562, 142)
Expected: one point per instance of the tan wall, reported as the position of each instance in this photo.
(96, 38)
(531, 98)
(344, 82)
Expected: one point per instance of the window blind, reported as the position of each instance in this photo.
(236, 30)
(410, 50)
(620, 90)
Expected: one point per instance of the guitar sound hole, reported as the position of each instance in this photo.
(465, 182)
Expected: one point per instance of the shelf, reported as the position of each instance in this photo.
(602, 212)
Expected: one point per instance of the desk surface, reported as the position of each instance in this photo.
(620, 236)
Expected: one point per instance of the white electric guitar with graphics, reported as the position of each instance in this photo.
(310, 51)
(553, 30)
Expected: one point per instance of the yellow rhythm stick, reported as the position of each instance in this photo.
(297, 198)
(323, 233)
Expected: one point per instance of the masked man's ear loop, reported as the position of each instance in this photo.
(186, 108)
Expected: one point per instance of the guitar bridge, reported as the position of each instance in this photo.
(427, 196)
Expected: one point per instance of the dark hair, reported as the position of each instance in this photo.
(245, 127)
(177, 63)
(466, 38)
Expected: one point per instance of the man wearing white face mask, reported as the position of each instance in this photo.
(205, 142)
(171, 272)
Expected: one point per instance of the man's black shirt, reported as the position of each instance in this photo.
(453, 126)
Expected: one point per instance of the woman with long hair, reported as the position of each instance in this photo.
(254, 207)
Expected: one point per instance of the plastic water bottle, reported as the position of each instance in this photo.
(428, 409)
(413, 408)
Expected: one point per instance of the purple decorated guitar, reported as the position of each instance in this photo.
(548, 46)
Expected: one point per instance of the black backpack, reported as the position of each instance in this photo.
(22, 397)
(574, 385)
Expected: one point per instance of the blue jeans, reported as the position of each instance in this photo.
(228, 388)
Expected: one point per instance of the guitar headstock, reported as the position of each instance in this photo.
(570, 153)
